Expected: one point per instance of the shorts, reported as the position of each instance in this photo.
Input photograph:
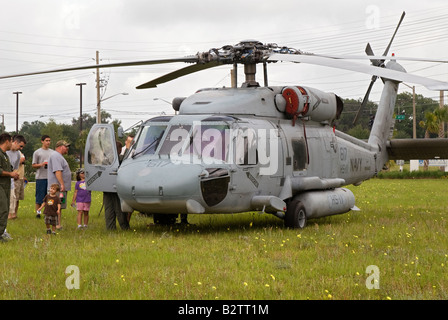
(41, 190)
(19, 189)
(51, 220)
(83, 206)
(12, 201)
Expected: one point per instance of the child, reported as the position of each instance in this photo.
(52, 204)
(83, 197)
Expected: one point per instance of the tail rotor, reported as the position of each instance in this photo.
(376, 63)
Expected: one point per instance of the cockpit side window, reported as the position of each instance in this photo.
(210, 142)
(246, 152)
(175, 139)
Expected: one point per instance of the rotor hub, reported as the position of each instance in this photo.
(245, 52)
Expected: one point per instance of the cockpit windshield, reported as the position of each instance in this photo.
(189, 142)
(148, 140)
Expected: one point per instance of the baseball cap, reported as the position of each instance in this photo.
(62, 143)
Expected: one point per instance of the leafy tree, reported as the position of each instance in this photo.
(359, 132)
(430, 124)
(351, 107)
(403, 106)
(442, 117)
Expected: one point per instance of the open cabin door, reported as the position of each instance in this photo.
(101, 159)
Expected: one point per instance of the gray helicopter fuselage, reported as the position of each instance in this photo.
(235, 150)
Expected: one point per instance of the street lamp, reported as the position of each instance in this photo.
(17, 110)
(163, 101)
(170, 103)
(414, 120)
(80, 118)
(3, 122)
(98, 117)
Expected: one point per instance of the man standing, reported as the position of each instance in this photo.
(40, 163)
(127, 144)
(112, 207)
(59, 172)
(17, 144)
(6, 174)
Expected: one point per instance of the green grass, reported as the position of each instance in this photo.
(401, 229)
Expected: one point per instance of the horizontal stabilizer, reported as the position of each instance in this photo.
(417, 149)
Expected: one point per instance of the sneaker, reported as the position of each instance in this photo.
(6, 236)
(48, 231)
(38, 216)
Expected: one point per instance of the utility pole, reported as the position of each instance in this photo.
(98, 97)
(3, 122)
(80, 118)
(442, 124)
(414, 115)
(17, 110)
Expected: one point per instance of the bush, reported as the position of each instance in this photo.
(406, 174)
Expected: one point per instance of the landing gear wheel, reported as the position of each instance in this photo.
(295, 215)
(164, 219)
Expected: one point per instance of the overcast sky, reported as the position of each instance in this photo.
(50, 34)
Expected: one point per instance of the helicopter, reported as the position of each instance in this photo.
(271, 149)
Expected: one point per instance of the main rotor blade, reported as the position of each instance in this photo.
(352, 66)
(365, 100)
(393, 36)
(376, 63)
(179, 73)
(192, 59)
(371, 57)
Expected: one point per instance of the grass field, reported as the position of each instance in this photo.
(400, 230)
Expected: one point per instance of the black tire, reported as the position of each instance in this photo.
(295, 217)
(164, 219)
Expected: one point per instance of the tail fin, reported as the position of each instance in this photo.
(384, 121)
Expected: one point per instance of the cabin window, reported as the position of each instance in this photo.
(102, 147)
(300, 154)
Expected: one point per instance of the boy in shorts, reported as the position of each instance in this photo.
(40, 163)
(52, 204)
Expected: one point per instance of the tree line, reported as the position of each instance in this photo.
(428, 113)
(429, 117)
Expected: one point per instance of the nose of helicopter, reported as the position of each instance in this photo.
(161, 187)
